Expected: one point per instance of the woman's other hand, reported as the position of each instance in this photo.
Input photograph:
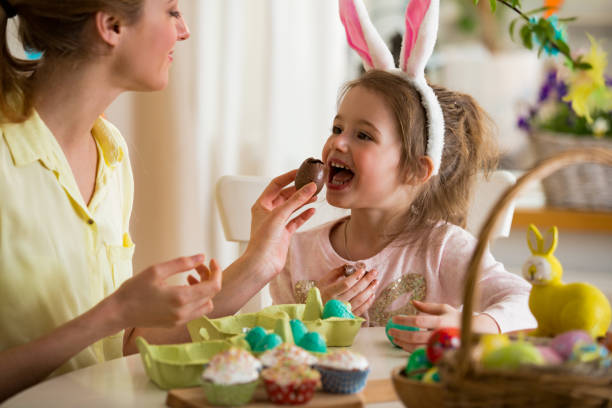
(271, 228)
(146, 300)
(358, 289)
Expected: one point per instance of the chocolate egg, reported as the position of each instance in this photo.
(311, 170)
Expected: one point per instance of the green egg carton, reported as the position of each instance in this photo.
(181, 365)
(337, 332)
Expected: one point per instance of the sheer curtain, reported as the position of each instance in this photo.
(252, 92)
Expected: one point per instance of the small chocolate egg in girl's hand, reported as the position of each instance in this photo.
(311, 170)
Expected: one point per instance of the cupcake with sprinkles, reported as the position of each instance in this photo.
(231, 377)
(287, 352)
(343, 371)
(290, 383)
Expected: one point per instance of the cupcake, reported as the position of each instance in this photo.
(287, 352)
(343, 371)
(290, 383)
(231, 377)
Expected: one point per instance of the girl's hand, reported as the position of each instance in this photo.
(146, 300)
(358, 289)
(437, 315)
(270, 231)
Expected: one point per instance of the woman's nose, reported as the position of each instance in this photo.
(182, 30)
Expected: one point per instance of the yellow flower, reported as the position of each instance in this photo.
(587, 88)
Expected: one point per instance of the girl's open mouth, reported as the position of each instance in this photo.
(340, 175)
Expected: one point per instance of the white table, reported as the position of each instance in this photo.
(123, 382)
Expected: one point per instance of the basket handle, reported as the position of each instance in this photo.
(541, 170)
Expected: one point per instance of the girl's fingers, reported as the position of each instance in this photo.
(409, 347)
(365, 306)
(361, 285)
(331, 276)
(431, 308)
(423, 321)
(412, 337)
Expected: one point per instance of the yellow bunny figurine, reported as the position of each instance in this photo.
(560, 307)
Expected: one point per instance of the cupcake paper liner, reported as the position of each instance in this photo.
(229, 395)
(343, 382)
(292, 394)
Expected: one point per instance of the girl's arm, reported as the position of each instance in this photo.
(144, 300)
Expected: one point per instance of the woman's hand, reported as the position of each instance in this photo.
(270, 229)
(146, 300)
(358, 289)
(436, 315)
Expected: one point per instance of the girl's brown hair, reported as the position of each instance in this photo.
(469, 147)
(57, 28)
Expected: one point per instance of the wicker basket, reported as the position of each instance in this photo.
(585, 186)
(466, 384)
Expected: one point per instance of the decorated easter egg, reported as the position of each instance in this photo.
(431, 376)
(336, 308)
(490, 342)
(441, 340)
(391, 325)
(268, 342)
(313, 341)
(584, 352)
(298, 329)
(417, 361)
(255, 335)
(512, 356)
(563, 343)
(549, 355)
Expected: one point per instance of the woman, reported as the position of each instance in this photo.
(67, 298)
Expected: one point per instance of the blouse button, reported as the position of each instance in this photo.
(90, 221)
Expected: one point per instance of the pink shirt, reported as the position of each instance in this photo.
(431, 270)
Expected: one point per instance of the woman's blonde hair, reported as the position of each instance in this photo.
(469, 148)
(57, 28)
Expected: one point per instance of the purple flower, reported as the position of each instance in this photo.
(523, 123)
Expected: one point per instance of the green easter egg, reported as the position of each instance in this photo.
(268, 342)
(298, 329)
(391, 325)
(313, 341)
(431, 376)
(417, 360)
(335, 308)
(255, 335)
(512, 356)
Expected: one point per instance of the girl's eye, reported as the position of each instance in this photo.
(336, 130)
(175, 14)
(363, 136)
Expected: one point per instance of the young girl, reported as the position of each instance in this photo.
(67, 295)
(405, 222)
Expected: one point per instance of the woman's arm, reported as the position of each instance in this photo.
(144, 300)
(265, 256)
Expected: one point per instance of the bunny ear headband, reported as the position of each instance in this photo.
(417, 46)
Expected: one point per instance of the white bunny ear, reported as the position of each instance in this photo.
(363, 37)
(420, 37)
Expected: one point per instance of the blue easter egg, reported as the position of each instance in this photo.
(255, 335)
(298, 329)
(391, 325)
(335, 308)
(313, 341)
(268, 342)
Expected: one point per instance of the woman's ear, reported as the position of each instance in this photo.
(424, 172)
(108, 27)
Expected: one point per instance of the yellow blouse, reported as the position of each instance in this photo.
(58, 256)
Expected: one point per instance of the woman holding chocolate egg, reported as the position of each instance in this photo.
(402, 156)
(67, 295)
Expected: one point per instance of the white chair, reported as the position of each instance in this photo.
(236, 194)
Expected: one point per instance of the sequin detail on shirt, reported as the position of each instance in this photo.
(413, 284)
